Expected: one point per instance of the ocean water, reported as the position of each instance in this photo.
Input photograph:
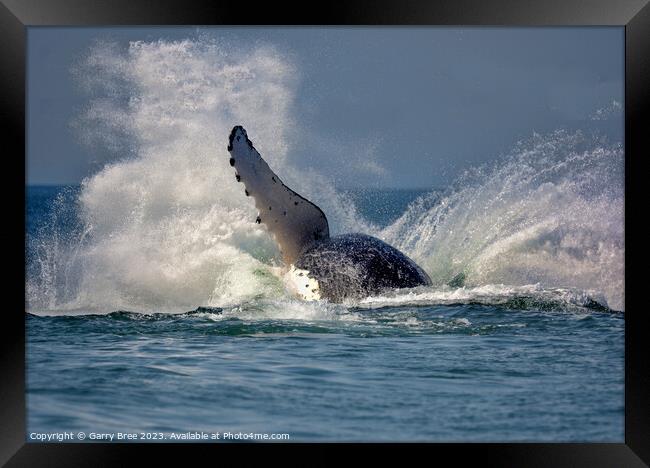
(156, 305)
(484, 363)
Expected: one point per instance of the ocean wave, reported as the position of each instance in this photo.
(527, 297)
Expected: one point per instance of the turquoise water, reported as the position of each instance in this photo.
(469, 362)
(452, 373)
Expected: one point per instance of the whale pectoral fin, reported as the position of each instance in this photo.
(294, 221)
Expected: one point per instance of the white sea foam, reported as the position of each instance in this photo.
(489, 294)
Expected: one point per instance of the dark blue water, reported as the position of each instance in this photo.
(517, 367)
(380, 206)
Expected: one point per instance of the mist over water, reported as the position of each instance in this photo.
(167, 228)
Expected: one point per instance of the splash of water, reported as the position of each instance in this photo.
(550, 213)
(167, 228)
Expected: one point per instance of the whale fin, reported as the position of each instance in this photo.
(294, 221)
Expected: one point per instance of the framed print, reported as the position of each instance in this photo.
(389, 225)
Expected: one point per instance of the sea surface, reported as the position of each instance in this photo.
(465, 362)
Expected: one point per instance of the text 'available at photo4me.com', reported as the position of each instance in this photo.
(190, 436)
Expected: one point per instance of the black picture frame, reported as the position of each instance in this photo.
(17, 15)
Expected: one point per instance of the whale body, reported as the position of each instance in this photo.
(347, 266)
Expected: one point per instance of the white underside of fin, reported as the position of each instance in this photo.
(294, 221)
(301, 284)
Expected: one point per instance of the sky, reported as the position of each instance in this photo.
(425, 103)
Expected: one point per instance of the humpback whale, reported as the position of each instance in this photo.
(347, 266)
